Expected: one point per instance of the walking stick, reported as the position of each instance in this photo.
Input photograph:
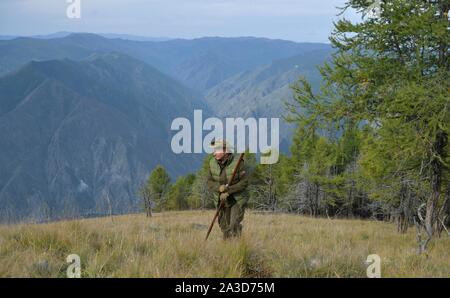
(230, 180)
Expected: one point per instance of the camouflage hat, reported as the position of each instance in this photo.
(219, 144)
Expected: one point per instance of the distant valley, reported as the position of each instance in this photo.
(84, 118)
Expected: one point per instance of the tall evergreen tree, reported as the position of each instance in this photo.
(390, 73)
(178, 193)
(155, 188)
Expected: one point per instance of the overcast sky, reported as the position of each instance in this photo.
(298, 20)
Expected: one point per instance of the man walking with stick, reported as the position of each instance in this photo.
(229, 180)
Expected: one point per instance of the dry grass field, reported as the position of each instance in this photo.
(172, 244)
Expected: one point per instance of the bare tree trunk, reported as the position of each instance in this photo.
(310, 200)
(446, 207)
(109, 205)
(444, 213)
(436, 177)
(270, 182)
(404, 210)
(316, 199)
(149, 206)
(145, 204)
(422, 243)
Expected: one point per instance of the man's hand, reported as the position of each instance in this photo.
(223, 188)
(224, 196)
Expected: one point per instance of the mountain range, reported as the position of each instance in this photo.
(262, 92)
(107, 35)
(199, 63)
(80, 135)
(84, 118)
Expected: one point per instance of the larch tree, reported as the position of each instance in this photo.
(390, 76)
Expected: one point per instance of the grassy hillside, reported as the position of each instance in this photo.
(172, 245)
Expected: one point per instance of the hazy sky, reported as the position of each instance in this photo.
(298, 20)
